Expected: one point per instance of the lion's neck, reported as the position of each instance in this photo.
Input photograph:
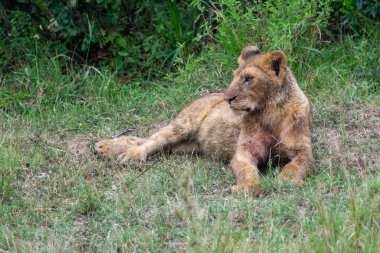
(283, 95)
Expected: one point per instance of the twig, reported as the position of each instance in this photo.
(126, 131)
(142, 173)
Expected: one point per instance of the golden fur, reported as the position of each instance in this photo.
(263, 115)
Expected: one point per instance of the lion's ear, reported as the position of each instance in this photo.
(247, 53)
(276, 62)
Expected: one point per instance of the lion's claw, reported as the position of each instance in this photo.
(133, 155)
(245, 188)
(103, 148)
(290, 173)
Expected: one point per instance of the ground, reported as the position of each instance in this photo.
(56, 196)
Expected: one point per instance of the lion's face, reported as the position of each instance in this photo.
(257, 80)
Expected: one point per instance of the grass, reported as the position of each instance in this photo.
(56, 196)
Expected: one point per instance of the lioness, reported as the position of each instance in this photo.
(263, 115)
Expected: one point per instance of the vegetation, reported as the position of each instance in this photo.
(98, 68)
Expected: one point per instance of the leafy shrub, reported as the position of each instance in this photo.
(148, 38)
(20, 31)
(357, 13)
(140, 38)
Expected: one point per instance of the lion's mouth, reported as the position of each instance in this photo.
(245, 109)
(252, 108)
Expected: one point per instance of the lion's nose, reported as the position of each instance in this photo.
(230, 99)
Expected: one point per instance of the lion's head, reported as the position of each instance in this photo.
(259, 79)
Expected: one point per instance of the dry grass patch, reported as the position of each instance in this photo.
(349, 138)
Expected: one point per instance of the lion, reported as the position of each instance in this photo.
(262, 117)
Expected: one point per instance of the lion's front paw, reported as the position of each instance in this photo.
(246, 188)
(104, 148)
(292, 174)
(133, 155)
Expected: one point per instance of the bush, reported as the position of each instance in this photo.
(141, 38)
(356, 14)
(148, 38)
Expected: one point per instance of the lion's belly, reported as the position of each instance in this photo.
(219, 132)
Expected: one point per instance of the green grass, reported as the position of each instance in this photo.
(56, 196)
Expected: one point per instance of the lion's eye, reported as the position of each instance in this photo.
(248, 79)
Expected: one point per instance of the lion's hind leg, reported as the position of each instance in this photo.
(116, 146)
(182, 129)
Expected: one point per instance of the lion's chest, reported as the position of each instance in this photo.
(263, 146)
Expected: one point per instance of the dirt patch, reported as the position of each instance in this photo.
(56, 147)
(349, 139)
(80, 147)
